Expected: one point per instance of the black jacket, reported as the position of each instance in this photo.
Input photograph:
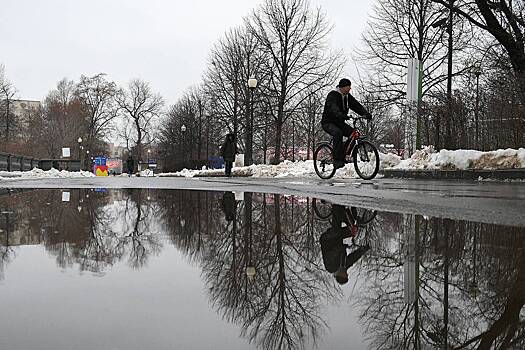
(130, 164)
(334, 111)
(229, 149)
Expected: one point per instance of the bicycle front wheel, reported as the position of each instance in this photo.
(324, 161)
(366, 160)
(364, 216)
(322, 208)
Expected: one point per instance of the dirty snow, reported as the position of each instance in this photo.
(427, 158)
(286, 169)
(39, 173)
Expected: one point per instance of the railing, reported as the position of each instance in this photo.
(60, 164)
(14, 162)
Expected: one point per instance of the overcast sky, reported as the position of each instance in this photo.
(165, 42)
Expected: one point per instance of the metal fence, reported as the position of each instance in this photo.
(14, 162)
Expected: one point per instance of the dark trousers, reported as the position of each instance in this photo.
(228, 168)
(337, 137)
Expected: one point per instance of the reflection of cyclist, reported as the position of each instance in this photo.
(335, 112)
(333, 249)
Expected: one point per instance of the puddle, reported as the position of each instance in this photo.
(135, 269)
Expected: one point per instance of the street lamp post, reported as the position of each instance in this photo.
(449, 75)
(252, 84)
(79, 146)
(149, 152)
(477, 73)
(183, 131)
(440, 24)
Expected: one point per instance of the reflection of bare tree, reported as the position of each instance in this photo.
(140, 238)
(94, 229)
(262, 269)
(280, 307)
(7, 252)
(443, 307)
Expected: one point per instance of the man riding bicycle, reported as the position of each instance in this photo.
(334, 115)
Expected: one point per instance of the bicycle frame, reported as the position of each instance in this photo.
(353, 140)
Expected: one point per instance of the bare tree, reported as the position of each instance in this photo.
(140, 107)
(397, 31)
(293, 36)
(61, 121)
(7, 92)
(505, 21)
(98, 95)
(223, 81)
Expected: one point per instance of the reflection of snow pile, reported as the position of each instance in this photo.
(39, 173)
(464, 159)
(285, 169)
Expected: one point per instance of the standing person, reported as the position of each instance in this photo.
(335, 112)
(228, 152)
(130, 164)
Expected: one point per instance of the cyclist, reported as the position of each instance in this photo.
(335, 112)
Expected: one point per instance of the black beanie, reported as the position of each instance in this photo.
(344, 82)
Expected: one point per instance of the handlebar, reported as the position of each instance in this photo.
(355, 119)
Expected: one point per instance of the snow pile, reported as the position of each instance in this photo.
(285, 169)
(464, 159)
(39, 173)
(388, 160)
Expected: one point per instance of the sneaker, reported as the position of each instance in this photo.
(338, 164)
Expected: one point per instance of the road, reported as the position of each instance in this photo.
(500, 203)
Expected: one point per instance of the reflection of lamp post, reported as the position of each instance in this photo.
(183, 130)
(250, 268)
(252, 84)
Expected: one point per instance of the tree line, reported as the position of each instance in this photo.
(478, 101)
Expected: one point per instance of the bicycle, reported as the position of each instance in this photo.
(361, 216)
(362, 153)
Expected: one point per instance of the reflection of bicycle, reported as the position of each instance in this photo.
(360, 216)
(361, 152)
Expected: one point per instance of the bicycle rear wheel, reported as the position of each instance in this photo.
(366, 160)
(324, 161)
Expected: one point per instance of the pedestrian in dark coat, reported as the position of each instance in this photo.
(130, 164)
(228, 152)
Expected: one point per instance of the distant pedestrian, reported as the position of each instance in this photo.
(228, 152)
(130, 164)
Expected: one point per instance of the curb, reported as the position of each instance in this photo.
(506, 174)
